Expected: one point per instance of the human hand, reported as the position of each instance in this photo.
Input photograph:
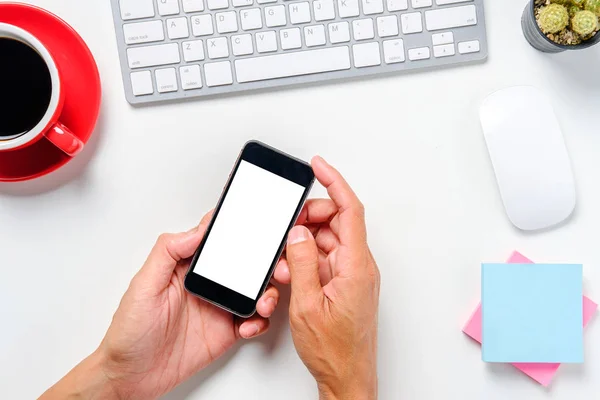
(160, 335)
(335, 291)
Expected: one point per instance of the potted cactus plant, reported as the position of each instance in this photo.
(553, 26)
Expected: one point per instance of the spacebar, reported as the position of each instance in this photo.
(292, 64)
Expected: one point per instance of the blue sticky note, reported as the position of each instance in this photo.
(531, 313)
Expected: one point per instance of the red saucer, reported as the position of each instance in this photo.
(80, 81)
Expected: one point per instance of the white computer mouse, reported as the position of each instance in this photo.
(529, 156)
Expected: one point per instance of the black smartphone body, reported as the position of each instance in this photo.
(262, 199)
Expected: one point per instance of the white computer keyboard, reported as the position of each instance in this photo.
(174, 49)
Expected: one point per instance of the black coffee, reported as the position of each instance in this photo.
(25, 88)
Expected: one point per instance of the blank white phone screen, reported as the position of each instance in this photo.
(246, 234)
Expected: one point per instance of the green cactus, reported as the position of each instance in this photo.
(560, 20)
(553, 18)
(584, 23)
(573, 10)
(567, 3)
(593, 6)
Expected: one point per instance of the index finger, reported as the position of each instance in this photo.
(338, 189)
(352, 227)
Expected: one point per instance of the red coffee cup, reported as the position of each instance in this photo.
(48, 127)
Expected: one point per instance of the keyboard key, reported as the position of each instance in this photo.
(299, 13)
(444, 50)
(324, 10)
(266, 42)
(143, 32)
(366, 55)
(193, 5)
(217, 47)
(166, 80)
(314, 35)
(292, 64)
(275, 16)
(193, 51)
(363, 29)
(397, 5)
(150, 56)
(218, 74)
(421, 53)
(387, 26)
(266, 1)
(290, 38)
(444, 2)
(242, 3)
(468, 47)
(348, 8)
(241, 45)
(178, 28)
(442, 38)
(372, 7)
(411, 23)
(339, 32)
(421, 3)
(136, 9)
(226, 22)
(202, 25)
(393, 51)
(141, 83)
(454, 17)
(251, 19)
(168, 7)
(190, 77)
(217, 4)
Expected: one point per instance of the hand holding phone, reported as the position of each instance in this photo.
(244, 240)
(335, 291)
(159, 335)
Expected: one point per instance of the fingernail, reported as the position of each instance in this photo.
(250, 331)
(298, 234)
(271, 302)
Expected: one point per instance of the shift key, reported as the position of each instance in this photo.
(150, 56)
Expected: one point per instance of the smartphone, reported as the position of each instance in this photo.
(262, 199)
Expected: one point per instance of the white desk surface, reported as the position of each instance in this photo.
(411, 146)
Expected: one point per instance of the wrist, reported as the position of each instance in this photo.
(349, 390)
(88, 380)
(358, 383)
(111, 389)
(355, 380)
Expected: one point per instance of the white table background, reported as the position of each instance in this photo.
(410, 145)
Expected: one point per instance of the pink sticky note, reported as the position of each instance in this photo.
(542, 373)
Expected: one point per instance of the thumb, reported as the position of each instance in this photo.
(168, 251)
(303, 260)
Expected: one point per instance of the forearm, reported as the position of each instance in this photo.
(86, 381)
